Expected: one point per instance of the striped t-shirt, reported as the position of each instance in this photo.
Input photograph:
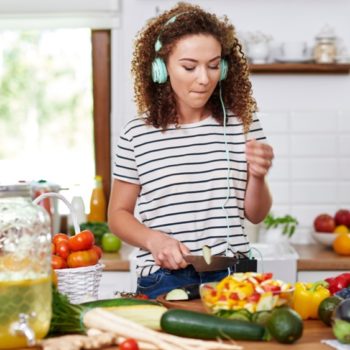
(182, 172)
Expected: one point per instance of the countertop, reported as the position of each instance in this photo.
(312, 257)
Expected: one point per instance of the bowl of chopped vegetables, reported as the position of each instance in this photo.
(251, 291)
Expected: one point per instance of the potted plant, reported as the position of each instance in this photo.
(278, 228)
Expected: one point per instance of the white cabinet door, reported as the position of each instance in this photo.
(313, 276)
(114, 281)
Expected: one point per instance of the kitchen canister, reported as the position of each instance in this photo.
(25, 268)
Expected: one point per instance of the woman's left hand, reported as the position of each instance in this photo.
(259, 157)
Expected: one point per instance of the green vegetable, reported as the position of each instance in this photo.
(204, 326)
(261, 317)
(241, 314)
(285, 325)
(67, 317)
(326, 309)
(341, 321)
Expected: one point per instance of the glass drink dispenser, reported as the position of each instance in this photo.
(25, 268)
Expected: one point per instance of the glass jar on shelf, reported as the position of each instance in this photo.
(25, 268)
(325, 49)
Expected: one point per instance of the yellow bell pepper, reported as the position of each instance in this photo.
(307, 298)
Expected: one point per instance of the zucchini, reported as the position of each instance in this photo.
(204, 326)
(118, 302)
(188, 292)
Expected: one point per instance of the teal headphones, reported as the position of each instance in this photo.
(159, 71)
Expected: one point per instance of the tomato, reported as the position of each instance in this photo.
(84, 240)
(58, 262)
(141, 296)
(59, 237)
(62, 249)
(98, 250)
(82, 258)
(129, 344)
(53, 248)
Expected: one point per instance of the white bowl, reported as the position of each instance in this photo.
(325, 238)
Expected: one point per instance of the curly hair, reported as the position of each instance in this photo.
(157, 101)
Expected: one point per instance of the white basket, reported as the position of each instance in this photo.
(81, 283)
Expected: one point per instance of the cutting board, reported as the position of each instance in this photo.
(193, 305)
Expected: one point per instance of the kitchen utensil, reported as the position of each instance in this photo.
(25, 268)
(220, 262)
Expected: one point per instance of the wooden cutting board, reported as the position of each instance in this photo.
(193, 305)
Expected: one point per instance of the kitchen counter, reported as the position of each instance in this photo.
(317, 257)
(311, 257)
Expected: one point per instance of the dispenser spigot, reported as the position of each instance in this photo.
(22, 327)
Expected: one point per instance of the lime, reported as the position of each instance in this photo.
(110, 243)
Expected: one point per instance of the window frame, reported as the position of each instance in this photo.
(101, 77)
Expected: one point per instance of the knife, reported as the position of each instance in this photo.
(220, 262)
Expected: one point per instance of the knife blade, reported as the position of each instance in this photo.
(218, 262)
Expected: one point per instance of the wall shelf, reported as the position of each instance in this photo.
(303, 68)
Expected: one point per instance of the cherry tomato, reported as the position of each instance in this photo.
(58, 262)
(82, 241)
(141, 296)
(59, 237)
(98, 250)
(82, 258)
(129, 344)
(62, 249)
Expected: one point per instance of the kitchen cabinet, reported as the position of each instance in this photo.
(300, 68)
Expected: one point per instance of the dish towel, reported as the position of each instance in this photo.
(335, 344)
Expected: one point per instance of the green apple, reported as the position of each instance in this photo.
(110, 243)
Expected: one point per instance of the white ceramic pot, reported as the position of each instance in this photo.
(272, 235)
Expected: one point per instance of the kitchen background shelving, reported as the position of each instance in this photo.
(304, 68)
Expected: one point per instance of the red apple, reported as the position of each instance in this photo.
(342, 217)
(324, 223)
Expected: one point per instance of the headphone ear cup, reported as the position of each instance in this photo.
(159, 72)
(223, 69)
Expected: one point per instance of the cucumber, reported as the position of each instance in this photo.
(118, 302)
(188, 292)
(204, 326)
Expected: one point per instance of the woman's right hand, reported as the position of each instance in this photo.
(168, 252)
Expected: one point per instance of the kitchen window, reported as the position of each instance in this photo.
(93, 21)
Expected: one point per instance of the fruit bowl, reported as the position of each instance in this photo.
(251, 291)
(325, 238)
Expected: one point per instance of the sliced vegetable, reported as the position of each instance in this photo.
(204, 326)
(241, 314)
(188, 292)
(206, 254)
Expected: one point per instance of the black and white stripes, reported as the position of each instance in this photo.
(183, 177)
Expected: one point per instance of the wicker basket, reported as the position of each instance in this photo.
(80, 283)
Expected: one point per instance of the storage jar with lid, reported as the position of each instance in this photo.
(25, 268)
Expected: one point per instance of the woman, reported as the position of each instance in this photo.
(193, 161)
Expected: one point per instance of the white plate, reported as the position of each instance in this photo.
(324, 238)
(294, 59)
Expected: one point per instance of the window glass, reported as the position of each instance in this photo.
(46, 121)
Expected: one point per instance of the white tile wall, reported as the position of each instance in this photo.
(311, 170)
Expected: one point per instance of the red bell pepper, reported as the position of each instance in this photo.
(339, 282)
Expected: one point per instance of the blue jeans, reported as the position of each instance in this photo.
(164, 280)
